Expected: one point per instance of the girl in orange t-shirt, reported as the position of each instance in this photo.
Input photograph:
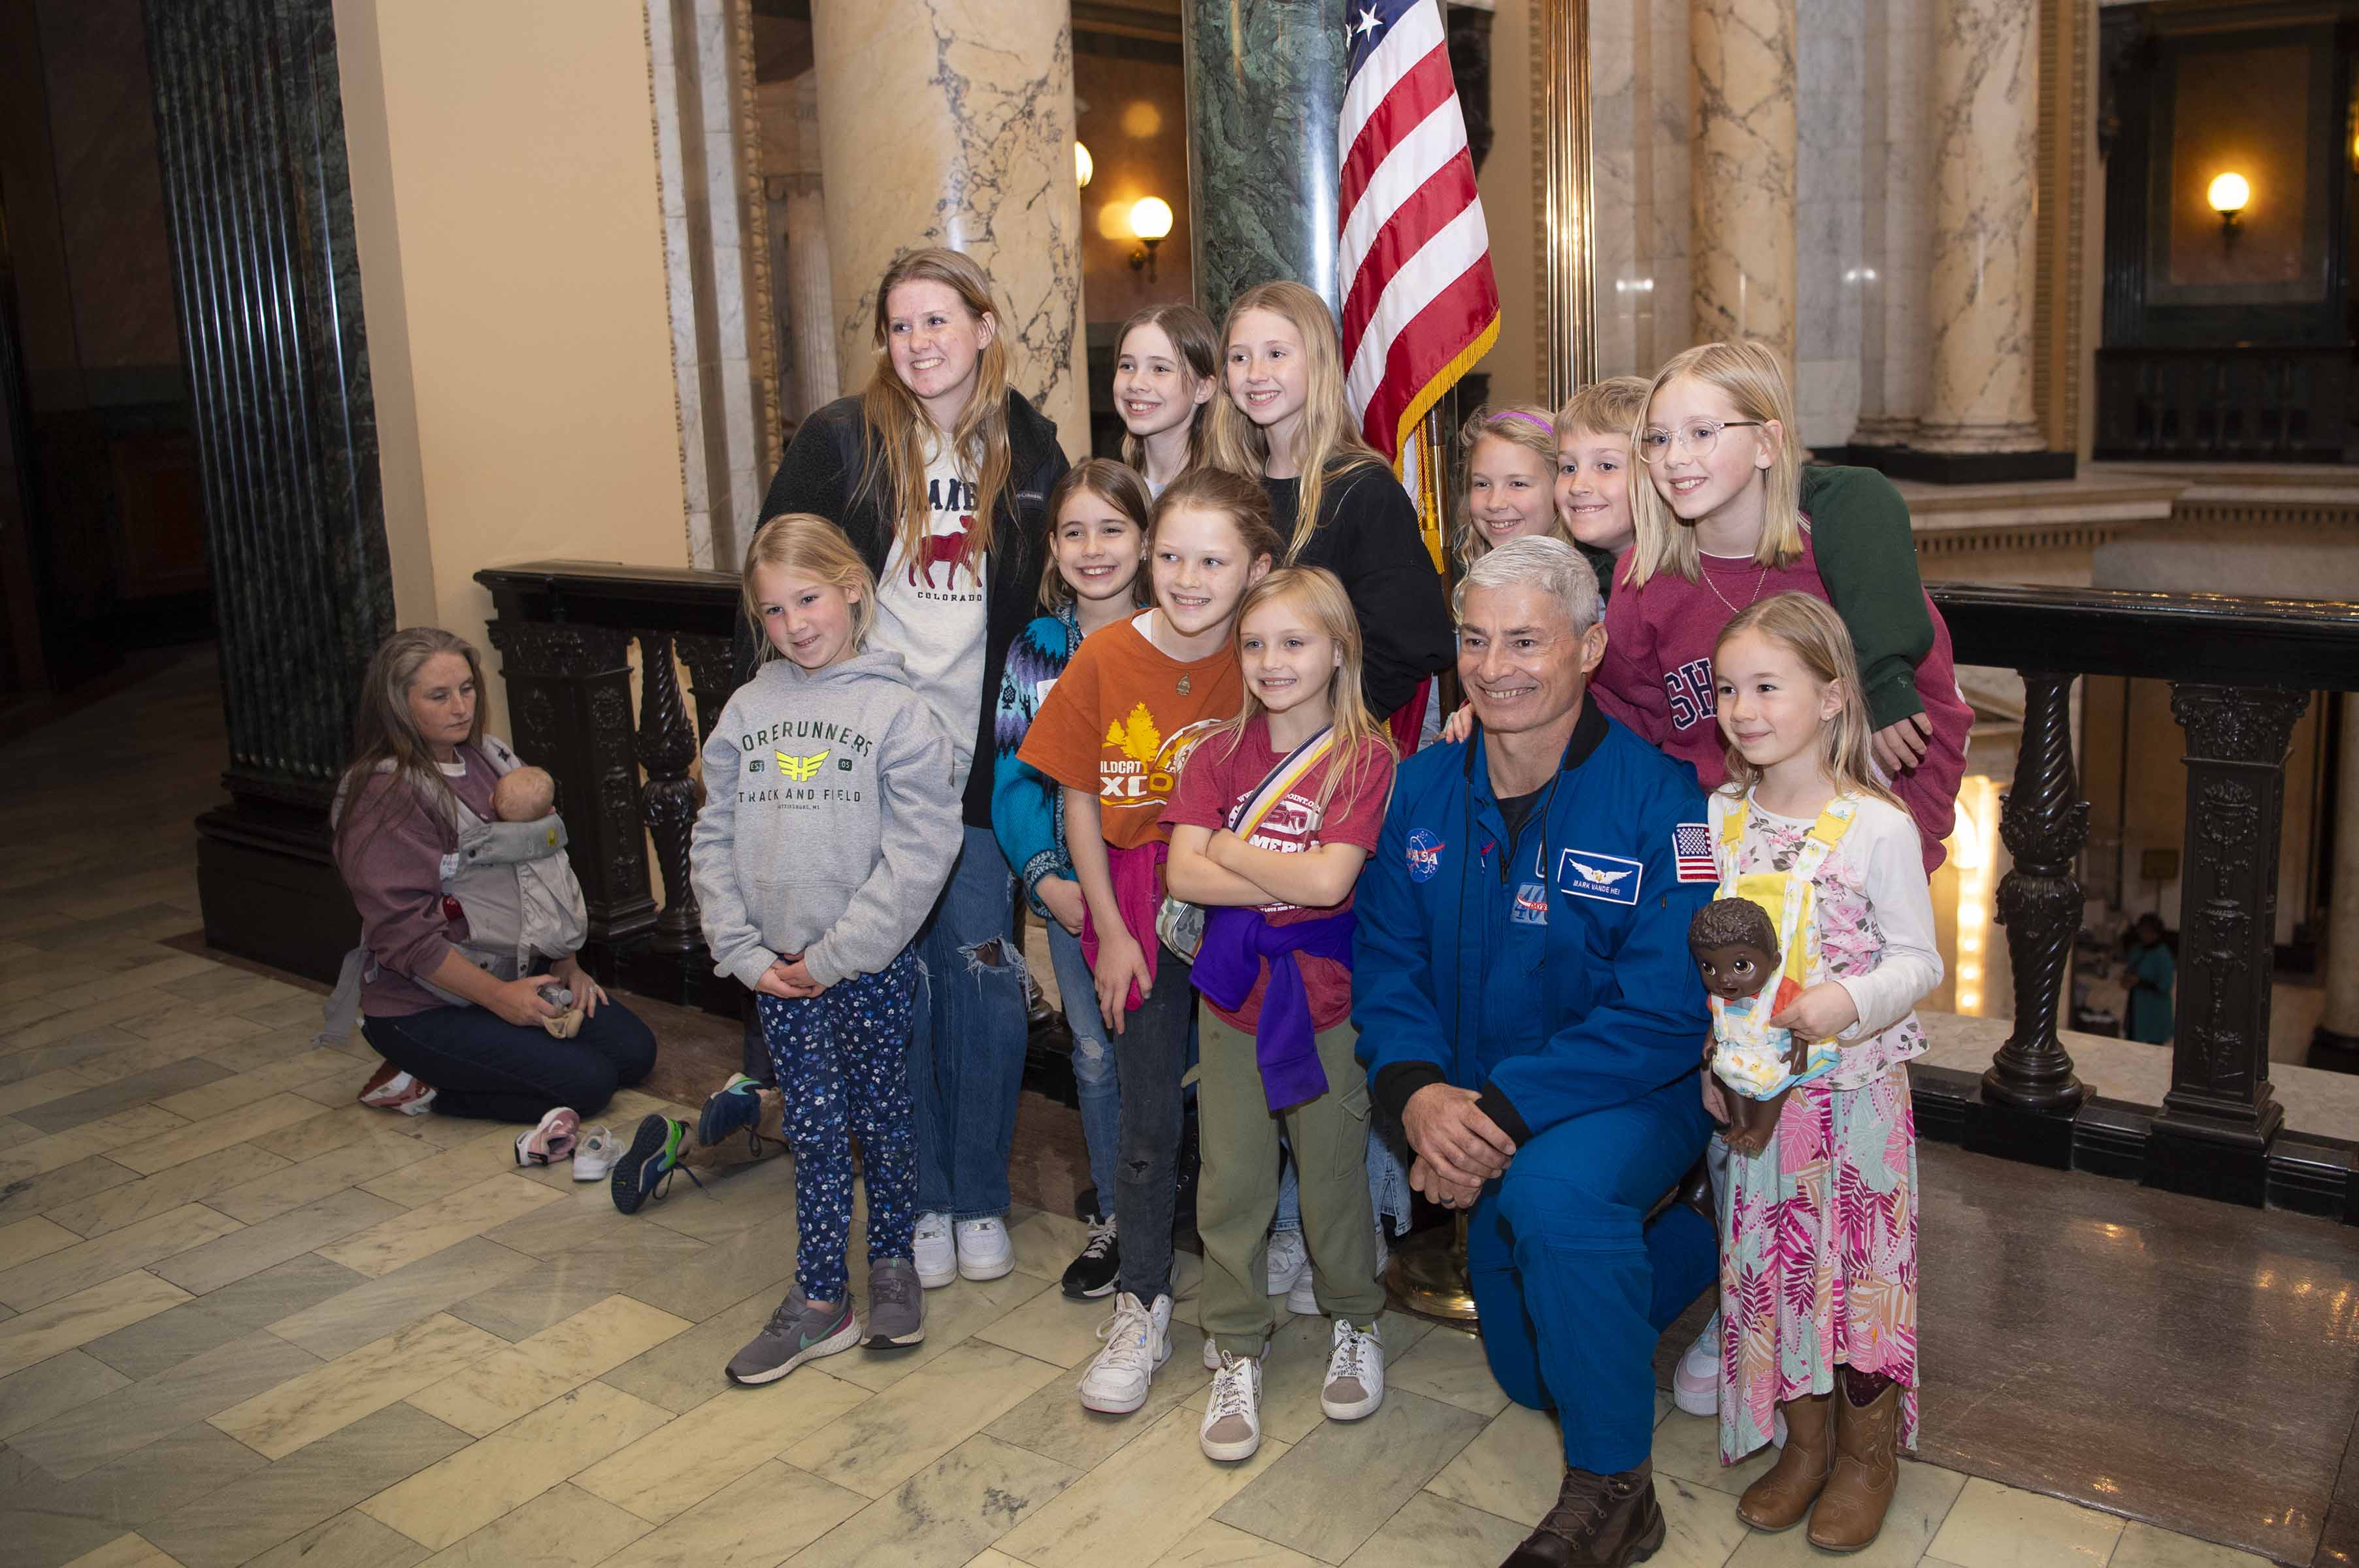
(1114, 732)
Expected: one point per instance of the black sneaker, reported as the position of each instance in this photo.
(644, 1171)
(1094, 1273)
(735, 1104)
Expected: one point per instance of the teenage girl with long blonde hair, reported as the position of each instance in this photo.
(939, 473)
(1283, 419)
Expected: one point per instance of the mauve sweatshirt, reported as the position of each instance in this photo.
(391, 858)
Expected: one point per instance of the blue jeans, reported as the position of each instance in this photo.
(966, 1043)
(482, 1066)
(1096, 1083)
(1575, 1286)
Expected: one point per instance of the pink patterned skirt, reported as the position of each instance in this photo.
(1818, 1258)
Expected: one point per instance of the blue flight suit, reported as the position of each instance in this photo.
(1551, 973)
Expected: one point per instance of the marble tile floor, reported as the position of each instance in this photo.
(244, 1319)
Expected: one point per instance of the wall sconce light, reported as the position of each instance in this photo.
(1085, 166)
(1151, 220)
(2228, 196)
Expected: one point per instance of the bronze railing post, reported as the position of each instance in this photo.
(2044, 822)
(669, 798)
(2219, 1116)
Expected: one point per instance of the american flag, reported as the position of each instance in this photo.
(1421, 305)
(1692, 849)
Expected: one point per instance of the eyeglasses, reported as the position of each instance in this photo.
(1697, 435)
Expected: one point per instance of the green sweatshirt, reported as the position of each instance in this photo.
(1867, 557)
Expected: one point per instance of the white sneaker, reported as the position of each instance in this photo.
(983, 1252)
(1356, 1373)
(1288, 1261)
(1695, 1382)
(1303, 1300)
(937, 1260)
(1137, 1342)
(594, 1157)
(1231, 1425)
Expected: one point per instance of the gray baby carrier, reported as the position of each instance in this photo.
(483, 874)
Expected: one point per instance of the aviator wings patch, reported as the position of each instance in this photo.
(1613, 879)
(800, 769)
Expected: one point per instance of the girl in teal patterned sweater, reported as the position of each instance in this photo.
(1097, 547)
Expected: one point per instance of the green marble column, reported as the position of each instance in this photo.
(1265, 91)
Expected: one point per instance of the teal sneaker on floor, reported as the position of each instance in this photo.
(646, 1170)
(737, 1104)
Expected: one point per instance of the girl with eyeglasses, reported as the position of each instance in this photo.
(1729, 517)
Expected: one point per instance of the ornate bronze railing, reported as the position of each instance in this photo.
(2241, 670)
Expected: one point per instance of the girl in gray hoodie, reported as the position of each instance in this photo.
(830, 822)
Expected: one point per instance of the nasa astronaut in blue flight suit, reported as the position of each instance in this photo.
(1528, 1007)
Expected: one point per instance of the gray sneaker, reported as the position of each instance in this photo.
(896, 1306)
(795, 1334)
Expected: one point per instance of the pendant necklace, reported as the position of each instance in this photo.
(1705, 573)
(1184, 686)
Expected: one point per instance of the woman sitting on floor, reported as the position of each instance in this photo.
(422, 768)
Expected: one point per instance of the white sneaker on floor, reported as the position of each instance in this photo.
(983, 1250)
(1231, 1425)
(937, 1258)
(1289, 1260)
(1695, 1382)
(594, 1157)
(1302, 1299)
(1137, 1342)
(1354, 1385)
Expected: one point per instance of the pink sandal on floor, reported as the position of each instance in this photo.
(550, 1141)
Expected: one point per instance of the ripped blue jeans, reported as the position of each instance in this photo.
(966, 1040)
(1097, 1084)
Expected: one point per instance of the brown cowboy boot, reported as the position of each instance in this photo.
(1599, 1521)
(1866, 1472)
(1781, 1499)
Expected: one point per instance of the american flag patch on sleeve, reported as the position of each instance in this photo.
(1692, 849)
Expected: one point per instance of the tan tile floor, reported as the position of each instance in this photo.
(243, 1320)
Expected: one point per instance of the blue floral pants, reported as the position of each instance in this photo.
(841, 1058)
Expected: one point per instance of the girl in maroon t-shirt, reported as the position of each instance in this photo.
(1273, 815)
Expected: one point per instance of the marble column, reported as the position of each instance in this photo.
(250, 139)
(1265, 94)
(1742, 213)
(1984, 138)
(798, 227)
(950, 123)
(2336, 1042)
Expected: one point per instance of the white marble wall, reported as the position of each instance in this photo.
(693, 70)
(1641, 86)
(1896, 219)
(1742, 185)
(1830, 258)
(950, 123)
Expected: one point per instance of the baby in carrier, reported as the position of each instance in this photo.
(552, 917)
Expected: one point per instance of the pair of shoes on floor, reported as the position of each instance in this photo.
(1839, 1469)
(797, 1332)
(390, 1089)
(1352, 1389)
(967, 1249)
(554, 1140)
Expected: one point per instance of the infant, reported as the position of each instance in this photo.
(554, 912)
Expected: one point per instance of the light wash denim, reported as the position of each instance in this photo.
(967, 1038)
(1096, 1081)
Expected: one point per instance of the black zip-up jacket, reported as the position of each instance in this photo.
(822, 473)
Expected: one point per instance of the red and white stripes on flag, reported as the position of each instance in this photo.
(1420, 306)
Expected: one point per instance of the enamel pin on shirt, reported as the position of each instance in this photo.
(1184, 686)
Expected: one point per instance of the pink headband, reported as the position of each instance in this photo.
(1527, 418)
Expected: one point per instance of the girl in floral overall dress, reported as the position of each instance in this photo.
(1818, 1270)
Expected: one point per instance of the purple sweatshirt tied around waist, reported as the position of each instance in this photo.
(1285, 1045)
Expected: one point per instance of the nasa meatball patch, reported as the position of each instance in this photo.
(1609, 879)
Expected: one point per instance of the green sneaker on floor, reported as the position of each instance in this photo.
(646, 1170)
